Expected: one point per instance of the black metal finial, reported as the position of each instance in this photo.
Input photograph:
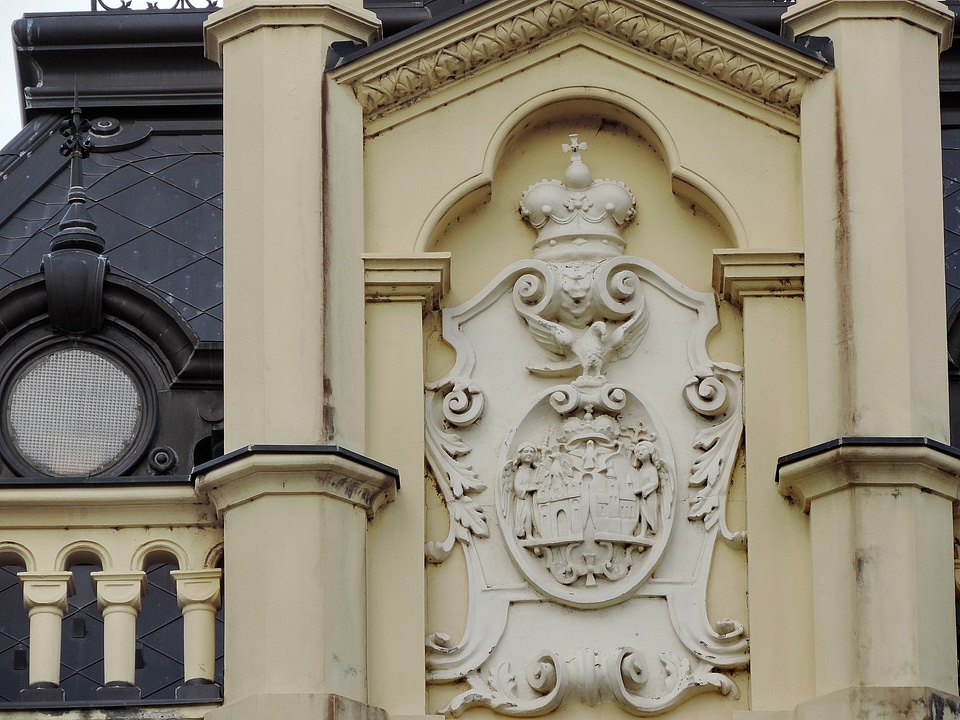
(77, 228)
(75, 267)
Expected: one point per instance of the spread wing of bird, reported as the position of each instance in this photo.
(623, 341)
(556, 339)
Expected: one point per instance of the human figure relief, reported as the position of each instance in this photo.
(647, 467)
(524, 469)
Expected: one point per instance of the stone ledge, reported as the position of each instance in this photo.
(423, 278)
(317, 706)
(757, 273)
(811, 18)
(246, 16)
(869, 462)
(261, 470)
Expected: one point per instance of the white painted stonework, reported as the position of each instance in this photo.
(583, 443)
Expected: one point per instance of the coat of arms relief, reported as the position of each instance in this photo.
(584, 443)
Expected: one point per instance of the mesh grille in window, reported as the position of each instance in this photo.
(73, 412)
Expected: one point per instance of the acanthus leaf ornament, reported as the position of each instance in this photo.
(613, 445)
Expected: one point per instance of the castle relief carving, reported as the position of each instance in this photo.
(584, 454)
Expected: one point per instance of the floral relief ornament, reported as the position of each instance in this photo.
(571, 484)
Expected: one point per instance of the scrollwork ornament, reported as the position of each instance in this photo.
(565, 399)
(707, 394)
(534, 290)
(456, 479)
(546, 680)
(576, 485)
(462, 403)
(590, 677)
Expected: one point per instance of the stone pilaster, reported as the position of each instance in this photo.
(878, 486)
(399, 291)
(767, 285)
(293, 223)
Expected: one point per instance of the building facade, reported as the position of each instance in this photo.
(571, 358)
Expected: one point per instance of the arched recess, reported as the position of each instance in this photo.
(681, 215)
(15, 554)
(214, 558)
(160, 551)
(83, 552)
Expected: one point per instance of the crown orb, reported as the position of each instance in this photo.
(578, 176)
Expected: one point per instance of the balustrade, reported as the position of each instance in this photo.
(119, 598)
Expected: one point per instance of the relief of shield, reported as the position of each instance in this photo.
(587, 493)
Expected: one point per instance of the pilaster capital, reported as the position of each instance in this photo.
(423, 278)
(739, 273)
(119, 589)
(258, 471)
(46, 590)
(242, 17)
(198, 587)
(813, 16)
(853, 462)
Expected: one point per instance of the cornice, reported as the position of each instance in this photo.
(247, 16)
(740, 273)
(849, 463)
(423, 278)
(734, 57)
(812, 17)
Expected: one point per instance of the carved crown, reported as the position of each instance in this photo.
(581, 218)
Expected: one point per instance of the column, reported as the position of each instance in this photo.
(295, 526)
(198, 596)
(294, 502)
(118, 597)
(293, 223)
(767, 285)
(878, 484)
(45, 599)
(399, 291)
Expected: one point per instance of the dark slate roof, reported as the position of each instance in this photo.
(158, 206)
(155, 188)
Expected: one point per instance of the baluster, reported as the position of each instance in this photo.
(45, 598)
(198, 595)
(118, 597)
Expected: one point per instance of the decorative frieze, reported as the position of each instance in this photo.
(656, 28)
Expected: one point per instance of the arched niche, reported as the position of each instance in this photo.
(680, 219)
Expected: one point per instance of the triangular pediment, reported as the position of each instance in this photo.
(688, 38)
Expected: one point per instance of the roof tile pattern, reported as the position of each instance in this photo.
(158, 207)
(951, 213)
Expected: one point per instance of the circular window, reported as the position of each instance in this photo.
(73, 411)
